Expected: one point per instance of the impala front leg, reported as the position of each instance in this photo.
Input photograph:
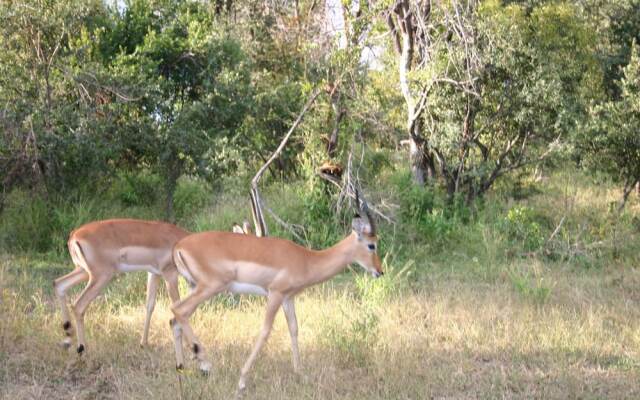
(90, 292)
(274, 300)
(182, 310)
(60, 286)
(289, 308)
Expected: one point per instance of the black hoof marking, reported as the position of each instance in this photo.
(66, 325)
(179, 367)
(80, 349)
(204, 373)
(196, 348)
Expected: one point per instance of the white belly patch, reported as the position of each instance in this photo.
(124, 267)
(246, 288)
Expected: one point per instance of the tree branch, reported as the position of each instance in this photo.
(256, 201)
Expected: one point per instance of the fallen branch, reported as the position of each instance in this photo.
(256, 201)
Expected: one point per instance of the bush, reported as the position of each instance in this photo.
(522, 227)
(428, 214)
(191, 197)
(319, 215)
(27, 223)
(137, 189)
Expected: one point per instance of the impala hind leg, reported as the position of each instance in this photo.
(60, 287)
(96, 283)
(274, 300)
(182, 310)
(289, 309)
(152, 291)
(170, 275)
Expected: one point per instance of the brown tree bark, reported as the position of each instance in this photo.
(403, 35)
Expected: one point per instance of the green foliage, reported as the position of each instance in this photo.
(609, 140)
(26, 223)
(191, 197)
(318, 211)
(521, 226)
(617, 25)
(529, 287)
(431, 217)
(141, 189)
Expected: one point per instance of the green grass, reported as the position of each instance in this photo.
(475, 304)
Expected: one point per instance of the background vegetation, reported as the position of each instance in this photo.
(500, 138)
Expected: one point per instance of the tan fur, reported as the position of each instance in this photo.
(219, 261)
(101, 249)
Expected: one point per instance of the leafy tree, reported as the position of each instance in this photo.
(617, 25)
(190, 82)
(610, 140)
(493, 87)
(42, 108)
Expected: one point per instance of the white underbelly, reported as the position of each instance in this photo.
(246, 288)
(123, 267)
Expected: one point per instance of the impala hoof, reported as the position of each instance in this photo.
(242, 385)
(205, 367)
(80, 349)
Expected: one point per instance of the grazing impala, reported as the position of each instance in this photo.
(272, 267)
(101, 249)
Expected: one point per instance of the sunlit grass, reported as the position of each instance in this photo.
(476, 317)
(449, 339)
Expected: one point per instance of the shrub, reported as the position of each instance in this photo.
(137, 189)
(521, 226)
(27, 223)
(191, 196)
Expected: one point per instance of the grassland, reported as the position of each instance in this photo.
(482, 314)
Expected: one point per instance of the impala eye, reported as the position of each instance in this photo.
(371, 246)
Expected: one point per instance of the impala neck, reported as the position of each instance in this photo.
(329, 262)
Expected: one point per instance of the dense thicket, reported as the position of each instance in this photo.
(465, 92)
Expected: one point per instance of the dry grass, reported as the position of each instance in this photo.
(450, 338)
(476, 320)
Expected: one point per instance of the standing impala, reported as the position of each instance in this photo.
(272, 267)
(101, 249)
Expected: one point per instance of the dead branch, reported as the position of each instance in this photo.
(256, 201)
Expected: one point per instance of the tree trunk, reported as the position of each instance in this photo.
(420, 159)
(416, 158)
(628, 188)
(171, 182)
(422, 162)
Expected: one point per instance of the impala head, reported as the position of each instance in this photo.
(366, 254)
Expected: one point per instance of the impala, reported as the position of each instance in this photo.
(276, 268)
(101, 249)
(245, 228)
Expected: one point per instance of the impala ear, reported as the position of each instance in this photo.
(360, 226)
(246, 228)
(236, 228)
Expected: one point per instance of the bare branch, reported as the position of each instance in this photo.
(256, 201)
